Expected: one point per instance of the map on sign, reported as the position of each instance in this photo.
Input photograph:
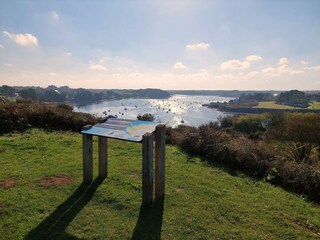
(123, 129)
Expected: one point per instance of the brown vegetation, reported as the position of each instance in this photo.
(22, 115)
(283, 149)
(55, 181)
(7, 184)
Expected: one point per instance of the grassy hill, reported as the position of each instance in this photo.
(41, 196)
(273, 105)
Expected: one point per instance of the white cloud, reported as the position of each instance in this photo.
(253, 58)
(196, 46)
(1, 46)
(294, 72)
(97, 67)
(22, 39)
(284, 68)
(179, 65)
(283, 61)
(8, 65)
(68, 53)
(234, 64)
(252, 74)
(55, 15)
(270, 72)
(304, 62)
(316, 68)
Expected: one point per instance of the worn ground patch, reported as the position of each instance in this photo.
(7, 184)
(55, 181)
(179, 190)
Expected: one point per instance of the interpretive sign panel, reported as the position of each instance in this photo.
(123, 129)
(128, 130)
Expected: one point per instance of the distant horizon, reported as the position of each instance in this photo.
(312, 90)
(165, 44)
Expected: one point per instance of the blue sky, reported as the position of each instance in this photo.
(187, 44)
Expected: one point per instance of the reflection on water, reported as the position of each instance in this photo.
(173, 111)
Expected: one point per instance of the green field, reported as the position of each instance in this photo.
(273, 105)
(41, 197)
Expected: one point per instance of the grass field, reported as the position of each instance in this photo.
(41, 197)
(272, 104)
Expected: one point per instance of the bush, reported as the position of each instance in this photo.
(300, 132)
(249, 123)
(256, 158)
(19, 116)
(146, 117)
(226, 121)
(301, 178)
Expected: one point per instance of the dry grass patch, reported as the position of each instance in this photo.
(7, 184)
(55, 181)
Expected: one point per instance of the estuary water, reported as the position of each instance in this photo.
(178, 109)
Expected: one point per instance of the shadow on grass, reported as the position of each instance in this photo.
(221, 166)
(149, 223)
(53, 227)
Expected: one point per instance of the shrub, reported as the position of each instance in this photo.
(146, 117)
(300, 131)
(256, 158)
(249, 123)
(65, 106)
(226, 121)
(19, 116)
(301, 178)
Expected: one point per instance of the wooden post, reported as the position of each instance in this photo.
(147, 168)
(87, 157)
(160, 161)
(103, 157)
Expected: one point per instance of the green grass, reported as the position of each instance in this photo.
(315, 105)
(273, 105)
(201, 202)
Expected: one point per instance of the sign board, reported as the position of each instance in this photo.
(123, 129)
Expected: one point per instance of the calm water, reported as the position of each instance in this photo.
(171, 111)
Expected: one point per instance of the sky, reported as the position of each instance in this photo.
(167, 44)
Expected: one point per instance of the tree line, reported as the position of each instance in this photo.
(80, 95)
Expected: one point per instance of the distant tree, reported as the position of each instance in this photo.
(146, 117)
(98, 96)
(257, 97)
(83, 95)
(52, 87)
(151, 93)
(29, 93)
(7, 91)
(293, 96)
(53, 96)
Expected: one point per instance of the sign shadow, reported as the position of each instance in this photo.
(149, 222)
(53, 227)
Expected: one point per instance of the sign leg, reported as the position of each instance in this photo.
(160, 151)
(103, 157)
(87, 158)
(147, 168)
